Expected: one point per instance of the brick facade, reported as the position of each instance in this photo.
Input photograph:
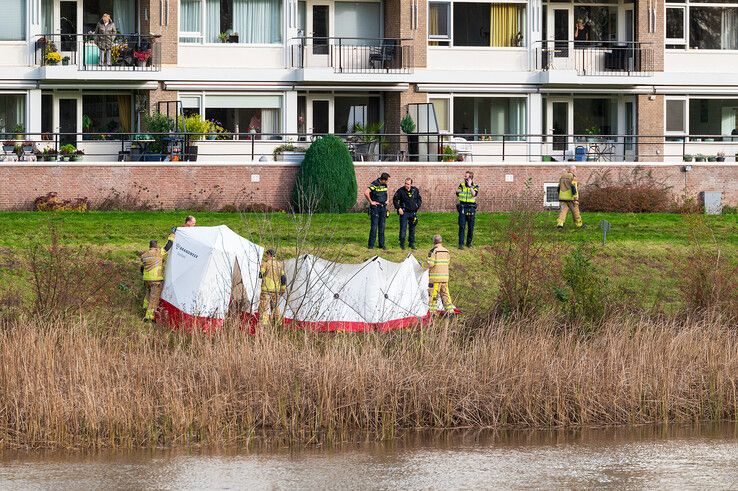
(650, 114)
(654, 40)
(154, 21)
(215, 186)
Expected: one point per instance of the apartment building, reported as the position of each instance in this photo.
(624, 80)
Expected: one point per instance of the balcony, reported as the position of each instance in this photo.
(352, 55)
(128, 53)
(595, 58)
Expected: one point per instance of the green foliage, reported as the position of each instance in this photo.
(286, 147)
(197, 127)
(369, 133)
(326, 181)
(68, 149)
(585, 293)
(407, 124)
(158, 123)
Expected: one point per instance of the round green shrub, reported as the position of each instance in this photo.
(326, 181)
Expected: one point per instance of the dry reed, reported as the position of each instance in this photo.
(111, 386)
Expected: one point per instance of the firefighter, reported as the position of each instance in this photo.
(376, 195)
(273, 284)
(407, 202)
(569, 198)
(467, 207)
(438, 261)
(152, 267)
(189, 222)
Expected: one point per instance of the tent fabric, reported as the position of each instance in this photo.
(374, 295)
(207, 269)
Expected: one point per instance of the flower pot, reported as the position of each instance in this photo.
(8, 148)
(27, 148)
(720, 159)
(687, 158)
(65, 158)
(292, 157)
(699, 159)
(547, 158)
(65, 62)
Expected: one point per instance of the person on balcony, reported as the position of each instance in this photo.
(105, 32)
(581, 34)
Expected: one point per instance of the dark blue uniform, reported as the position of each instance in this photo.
(377, 213)
(409, 202)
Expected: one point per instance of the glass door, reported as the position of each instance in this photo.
(559, 124)
(68, 121)
(561, 35)
(68, 26)
(319, 112)
(318, 26)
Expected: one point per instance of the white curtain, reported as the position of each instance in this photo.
(189, 19)
(124, 16)
(47, 16)
(729, 31)
(258, 21)
(13, 20)
(212, 16)
(12, 111)
(516, 117)
(269, 122)
(358, 20)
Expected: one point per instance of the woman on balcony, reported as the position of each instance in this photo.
(105, 32)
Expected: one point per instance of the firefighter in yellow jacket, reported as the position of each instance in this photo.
(438, 261)
(569, 198)
(273, 284)
(152, 267)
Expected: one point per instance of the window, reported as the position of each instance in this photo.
(712, 117)
(713, 27)
(243, 21)
(500, 25)
(13, 21)
(439, 23)
(676, 116)
(595, 116)
(675, 25)
(12, 114)
(601, 21)
(348, 111)
(258, 114)
(442, 113)
(122, 12)
(106, 114)
(492, 116)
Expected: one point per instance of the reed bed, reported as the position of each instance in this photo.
(87, 384)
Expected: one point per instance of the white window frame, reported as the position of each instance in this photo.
(200, 35)
(685, 25)
(449, 107)
(546, 202)
(685, 130)
(450, 38)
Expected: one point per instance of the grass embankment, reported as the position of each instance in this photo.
(97, 376)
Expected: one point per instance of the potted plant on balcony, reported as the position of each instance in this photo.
(699, 158)
(711, 158)
(407, 125)
(77, 156)
(67, 151)
(687, 157)
(142, 57)
(50, 154)
(19, 131)
(592, 133)
(223, 37)
(65, 61)
(721, 156)
(449, 154)
(289, 152)
(27, 146)
(233, 38)
(8, 146)
(52, 58)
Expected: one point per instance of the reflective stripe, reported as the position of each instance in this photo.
(466, 194)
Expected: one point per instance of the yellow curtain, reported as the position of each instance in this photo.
(505, 25)
(124, 113)
(433, 26)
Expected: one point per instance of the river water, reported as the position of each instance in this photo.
(623, 458)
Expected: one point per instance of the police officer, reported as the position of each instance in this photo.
(152, 267)
(467, 207)
(189, 222)
(569, 198)
(407, 202)
(438, 262)
(376, 195)
(273, 284)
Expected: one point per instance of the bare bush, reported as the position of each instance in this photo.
(137, 199)
(52, 202)
(635, 191)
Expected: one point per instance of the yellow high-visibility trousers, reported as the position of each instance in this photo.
(565, 207)
(436, 289)
(269, 308)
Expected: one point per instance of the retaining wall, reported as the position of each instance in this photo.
(185, 185)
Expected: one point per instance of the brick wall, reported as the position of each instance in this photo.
(654, 39)
(180, 186)
(650, 114)
(153, 21)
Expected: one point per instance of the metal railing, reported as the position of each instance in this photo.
(619, 58)
(128, 52)
(426, 147)
(352, 55)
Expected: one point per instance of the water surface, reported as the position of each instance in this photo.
(624, 458)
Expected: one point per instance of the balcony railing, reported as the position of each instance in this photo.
(431, 147)
(595, 58)
(352, 55)
(129, 52)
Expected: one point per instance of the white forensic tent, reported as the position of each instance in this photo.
(208, 268)
(374, 295)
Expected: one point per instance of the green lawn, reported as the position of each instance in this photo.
(640, 253)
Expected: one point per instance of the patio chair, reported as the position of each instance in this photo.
(383, 56)
(462, 147)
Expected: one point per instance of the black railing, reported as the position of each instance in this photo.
(352, 55)
(99, 52)
(426, 147)
(595, 57)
